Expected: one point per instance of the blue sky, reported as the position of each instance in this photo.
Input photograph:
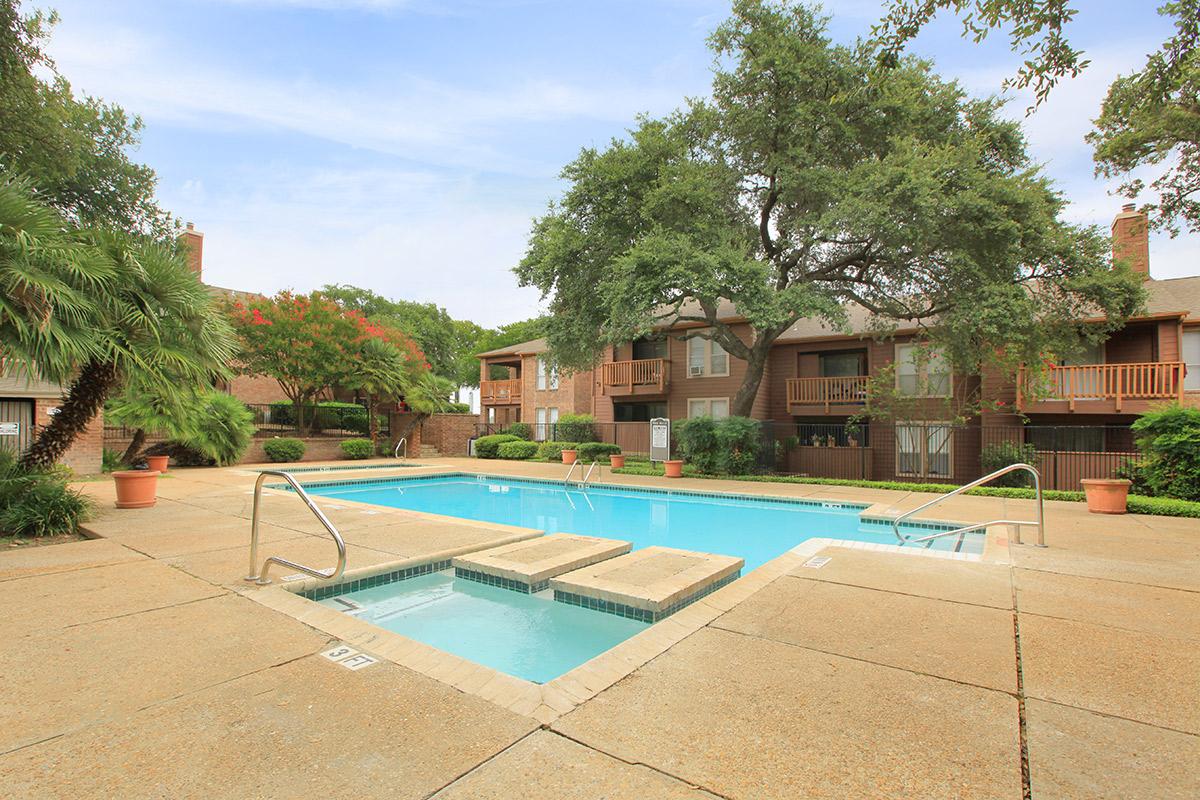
(406, 146)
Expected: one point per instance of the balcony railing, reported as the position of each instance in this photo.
(626, 377)
(500, 392)
(827, 392)
(1111, 383)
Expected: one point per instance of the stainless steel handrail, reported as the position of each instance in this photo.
(571, 471)
(403, 441)
(1037, 488)
(261, 578)
(588, 477)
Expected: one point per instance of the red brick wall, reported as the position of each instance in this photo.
(255, 389)
(1131, 240)
(316, 449)
(85, 455)
(449, 433)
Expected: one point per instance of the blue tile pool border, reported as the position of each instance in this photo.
(345, 587)
(642, 614)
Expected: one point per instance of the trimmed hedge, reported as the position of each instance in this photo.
(489, 446)
(283, 449)
(576, 428)
(1138, 504)
(597, 451)
(552, 451)
(356, 448)
(519, 429)
(519, 450)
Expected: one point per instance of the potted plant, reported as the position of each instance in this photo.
(136, 488)
(673, 469)
(616, 460)
(157, 463)
(1106, 495)
(569, 456)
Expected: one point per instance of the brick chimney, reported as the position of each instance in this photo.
(193, 244)
(1131, 240)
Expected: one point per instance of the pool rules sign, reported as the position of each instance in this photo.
(660, 439)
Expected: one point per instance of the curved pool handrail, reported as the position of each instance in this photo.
(262, 578)
(1039, 523)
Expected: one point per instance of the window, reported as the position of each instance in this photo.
(1191, 357)
(638, 412)
(842, 365)
(922, 371)
(715, 407)
(547, 374)
(544, 420)
(923, 450)
(491, 415)
(707, 358)
(1067, 439)
(1083, 382)
(649, 348)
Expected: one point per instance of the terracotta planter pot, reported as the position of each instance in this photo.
(673, 469)
(569, 456)
(136, 488)
(616, 461)
(157, 463)
(1106, 496)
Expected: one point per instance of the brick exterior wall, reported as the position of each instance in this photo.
(449, 433)
(255, 389)
(1131, 240)
(86, 455)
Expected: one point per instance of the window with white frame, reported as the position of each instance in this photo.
(1191, 357)
(547, 374)
(923, 450)
(544, 421)
(715, 407)
(706, 358)
(922, 371)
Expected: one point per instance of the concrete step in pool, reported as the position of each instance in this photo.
(528, 566)
(646, 585)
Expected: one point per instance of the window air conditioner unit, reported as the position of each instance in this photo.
(695, 371)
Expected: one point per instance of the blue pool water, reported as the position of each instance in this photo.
(530, 636)
(755, 530)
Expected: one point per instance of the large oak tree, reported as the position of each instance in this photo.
(807, 181)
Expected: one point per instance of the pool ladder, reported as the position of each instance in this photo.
(586, 478)
(1039, 523)
(261, 577)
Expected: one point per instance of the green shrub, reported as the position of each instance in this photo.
(222, 429)
(519, 449)
(519, 429)
(283, 412)
(727, 446)
(1170, 443)
(357, 448)
(1163, 506)
(489, 446)
(1002, 454)
(38, 503)
(351, 417)
(110, 460)
(283, 449)
(552, 451)
(576, 428)
(458, 408)
(1134, 471)
(597, 451)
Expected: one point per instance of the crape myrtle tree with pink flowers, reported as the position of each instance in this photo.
(310, 343)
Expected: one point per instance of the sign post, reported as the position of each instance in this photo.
(660, 439)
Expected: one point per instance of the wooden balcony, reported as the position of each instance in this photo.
(649, 376)
(1104, 388)
(844, 395)
(500, 393)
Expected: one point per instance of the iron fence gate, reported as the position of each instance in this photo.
(16, 425)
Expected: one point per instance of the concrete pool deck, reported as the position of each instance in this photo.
(138, 665)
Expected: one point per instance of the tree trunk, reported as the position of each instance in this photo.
(135, 447)
(416, 419)
(756, 366)
(83, 402)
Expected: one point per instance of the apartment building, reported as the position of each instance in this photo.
(817, 380)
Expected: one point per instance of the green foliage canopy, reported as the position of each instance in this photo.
(810, 181)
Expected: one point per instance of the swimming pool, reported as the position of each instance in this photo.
(753, 528)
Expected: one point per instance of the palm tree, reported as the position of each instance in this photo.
(153, 320)
(426, 395)
(49, 279)
(380, 370)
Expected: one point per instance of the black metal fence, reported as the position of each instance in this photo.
(918, 452)
(342, 420)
